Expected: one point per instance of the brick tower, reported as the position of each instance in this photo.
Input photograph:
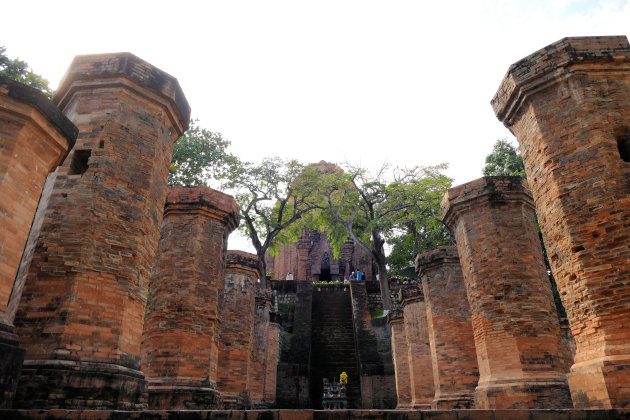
(569, 106)
(455, 372)
(400, 354)
(179, 342)
(82, 308)
(237, 327)
(517, 334)
(34, 138)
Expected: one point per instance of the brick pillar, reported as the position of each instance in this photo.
(179, 342)
(34, 138)
(569, 106)
(303, 268)
(259, 349)
(269, 394)
(82, 307)
(416, 331)
(237, 328)
(455, 372)
(400, 354)
(516, 329)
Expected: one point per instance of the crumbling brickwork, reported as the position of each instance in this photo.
(269, 393)
(455, 372)
(259, 348)
(34, 138)
(401, 358)
(82, 307)
(569, 106)
(417, 333)
(237, 327)
(514, 319)
(179, 342)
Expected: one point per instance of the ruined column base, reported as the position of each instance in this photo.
(453, 401)
(189, 396)
(233, 401)
(12, 357)
(603, 383)
(523, 395)
(79, 385)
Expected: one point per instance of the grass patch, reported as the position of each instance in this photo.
(286, 308)
(377, 313)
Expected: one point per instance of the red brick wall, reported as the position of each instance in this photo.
(569, 106)
(400, 354)
(455, 372)
(271, 368)
(181, 328)
(86, 286)
(237, 325)
(259, 348)
(517, 336)
(417, 333)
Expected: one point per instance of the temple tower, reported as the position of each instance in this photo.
(455, 372)
(569, 106)
(181, 331)
(34, 138)
(82, 308)
(516, 329)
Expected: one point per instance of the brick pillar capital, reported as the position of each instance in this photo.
(395, 317)
(244, 262)
(438, 257)
(130, 72)
(205, 201)
(263, 297)
(554, 63)
(410, 293)
(485, 191)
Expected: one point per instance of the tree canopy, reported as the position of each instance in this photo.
(505, 159)
(19, 71)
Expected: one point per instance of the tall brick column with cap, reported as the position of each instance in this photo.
(271, 368)
(417, 334)
(259, 348)
(516, 329)
(237, 328)
(400, 354)
(569, 106)
(179, 343)
(35, 137)
(455, 372)
(82, 308)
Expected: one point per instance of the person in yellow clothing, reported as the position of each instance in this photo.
(343, 378)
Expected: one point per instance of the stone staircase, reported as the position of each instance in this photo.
(333, 347)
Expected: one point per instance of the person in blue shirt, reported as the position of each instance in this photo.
(352, 276)
(359, 275)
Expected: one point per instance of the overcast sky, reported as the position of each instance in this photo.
(409, 82)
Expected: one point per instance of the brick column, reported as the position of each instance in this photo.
(303, 271)
(400, 354)
(416, 331)
(455, 372)
(275, 323)
(179, 342)
(259, 348)
(82, 307)
(237, 328)
(34, 138)
(516, 329)
(569, 106)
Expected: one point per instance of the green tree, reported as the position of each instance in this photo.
(505, 159)
(368, 207)
(199, 155)
(271, 197)
(19, 71)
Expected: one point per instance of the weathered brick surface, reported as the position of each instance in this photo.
(259, 348)
(34, 138)
(569, 106)
(181, 330)
(269, 392)
(417, 333)
(455, 372)
(237, 326)
(401, 358)
(516, 329)
(82, 308)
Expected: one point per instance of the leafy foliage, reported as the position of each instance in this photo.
(504, 160)
(199, 155)
(19, 71)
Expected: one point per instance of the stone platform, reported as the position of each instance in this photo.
(568, 414)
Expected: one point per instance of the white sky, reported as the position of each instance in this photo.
(365, 81)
